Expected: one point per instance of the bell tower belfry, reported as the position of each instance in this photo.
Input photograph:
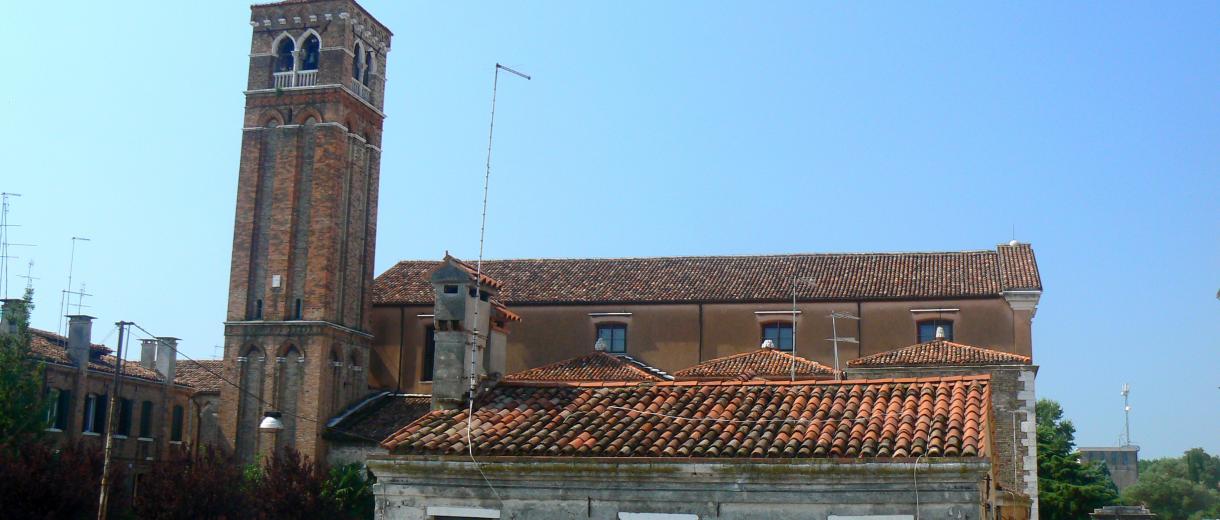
(297, 333)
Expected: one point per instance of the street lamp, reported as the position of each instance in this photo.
(271, 422)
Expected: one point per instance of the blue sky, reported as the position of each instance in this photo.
(678, 128)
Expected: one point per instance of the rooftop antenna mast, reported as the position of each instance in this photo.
(835, 339)
(478, 269)
(4, 241)
(29, 276)
(63, 295)
(795, 283)
(1126, 414)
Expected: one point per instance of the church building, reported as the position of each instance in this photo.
(826, 379)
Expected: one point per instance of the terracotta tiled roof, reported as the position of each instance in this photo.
(939, 353)
(933, 417)
(598, 366)
(376, 418)
(764, 363)
(1018, 267)
(736, 278)
(52, 348)
(202, 375)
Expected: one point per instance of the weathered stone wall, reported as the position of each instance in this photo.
(601, 489)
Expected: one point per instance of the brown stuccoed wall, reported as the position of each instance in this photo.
(676, 336)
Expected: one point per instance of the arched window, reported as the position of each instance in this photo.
(309, 58)
(356, 62)
(284, 59)
(368, 66)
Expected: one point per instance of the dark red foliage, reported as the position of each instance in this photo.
(208, 485)
(38, 480)
(292, 487)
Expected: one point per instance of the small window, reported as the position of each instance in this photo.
(95, 414)
(425, 373)
(284, 55)
(614, 335)
(124, 426)
(146, 417)
(175, 429)
(927, 330)
(296, 310)
(451, 289)
(368, 66)
(258, 309)
(58, 408)
(309, 59)
(780, 335)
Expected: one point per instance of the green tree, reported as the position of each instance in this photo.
(1179, 488)
(351, 487)
(1068, 489)
(22, 415)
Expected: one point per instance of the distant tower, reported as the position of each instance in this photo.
(298, 328)
(1126, 415)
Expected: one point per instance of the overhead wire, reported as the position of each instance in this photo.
(244, 390)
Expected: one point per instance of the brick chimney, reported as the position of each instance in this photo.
(454, 307)
(80, 332)
(167, 358)
(148, 353)
(8, 316)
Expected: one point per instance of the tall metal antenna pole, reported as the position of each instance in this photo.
(1126, 414)
(4, 225)
(478, 269)
(792, 366)
(63, 296)
(835, 339)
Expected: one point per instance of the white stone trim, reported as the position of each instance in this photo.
(871, 517)
(609, 314)
(317, 87)
(471, 512)
(657, 516)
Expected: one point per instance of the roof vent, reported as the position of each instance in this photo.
(768, 344)
(600, 345)
(940, 332)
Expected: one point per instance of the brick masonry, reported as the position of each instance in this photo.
(303, 240)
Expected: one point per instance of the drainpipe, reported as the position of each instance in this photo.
(859, 330)
(700, 353)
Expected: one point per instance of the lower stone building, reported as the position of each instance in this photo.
(606, 437)
(163, 406)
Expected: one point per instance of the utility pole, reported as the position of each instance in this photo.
(104, 498)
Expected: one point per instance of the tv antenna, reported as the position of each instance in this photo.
(63, 295)
(80, 297)
(29, 276)
(835, 338)
(796, 282)
(1126, 415)
(4, 241)
(478, 269)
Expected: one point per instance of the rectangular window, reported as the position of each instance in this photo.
(57, 408)
(175, 429)
(95, 414)
(124, 426)
(927, 330)
(780, 335)
(614, 335)
(425, 373)
(146, 413)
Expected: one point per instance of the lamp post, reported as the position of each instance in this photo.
(269, 430)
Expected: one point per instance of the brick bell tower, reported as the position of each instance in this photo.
(297, 334)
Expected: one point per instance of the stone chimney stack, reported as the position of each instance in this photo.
(148, 353)
(454, 308)
(8, 316)
(167, 358)
(80, 332)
